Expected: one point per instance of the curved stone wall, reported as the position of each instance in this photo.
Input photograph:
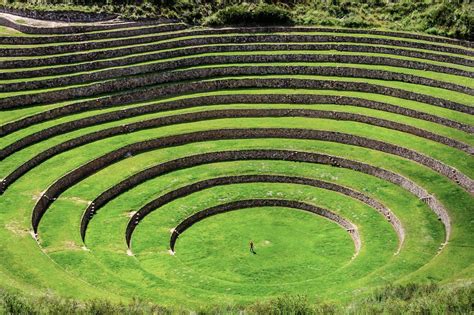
(22, 101)
(345, 71)
(253, 203)
(69, 16)
(200, 104)
(89, 24)
(216, 114)
(75, 47)
(192, 117)
(221, 134)
(63, 29)
(93, 166)
(231, 180)
(65, 16)
(190, 51)
(200, 101)
(80, 37)
(223, 43)
(295, 156)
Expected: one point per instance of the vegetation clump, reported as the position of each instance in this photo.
(393, 299)
(445, 18)
(261, 14)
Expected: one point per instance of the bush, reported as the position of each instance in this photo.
(453, 18)
(315, 17)
(393, 299)
(418, 299)
(356, 21)
(248, 14)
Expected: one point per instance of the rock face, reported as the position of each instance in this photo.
(63, 16)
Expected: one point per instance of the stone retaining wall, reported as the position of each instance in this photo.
(214, 157)
(95, 25)
(131, 61)
(220, 44)
(424, 37)
(202, 101)
(95, 165)
(63, 16)
(191, 117)
(240, 36)
(64, 29)
(252, 203)
(22, 101)
(114, 33)
(50, 132)
(147, 69)
(231, 180)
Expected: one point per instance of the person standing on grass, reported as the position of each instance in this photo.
(252, 250)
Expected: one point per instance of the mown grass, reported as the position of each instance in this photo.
(421, 73)
(299, 254)
(322, 52)
(16, 114)
(185, 31)
(435, 128)
(181, 38)
(66, 208)
(6, 31)
(416, 88)
(438, 151)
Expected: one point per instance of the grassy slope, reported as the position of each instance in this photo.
(171, 280)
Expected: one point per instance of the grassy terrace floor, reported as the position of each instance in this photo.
(296, 252)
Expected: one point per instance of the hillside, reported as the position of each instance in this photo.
(140, 158)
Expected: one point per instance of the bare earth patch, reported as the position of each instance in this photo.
(130, 214)
(66, 245)
(16, 228)
(76, 200)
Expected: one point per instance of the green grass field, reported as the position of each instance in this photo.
(58, 137)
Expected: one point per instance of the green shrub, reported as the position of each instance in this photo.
(453, 18)
(315, 17)
(356, 21)
(249, 14)
(393, 299)
(418, 299)
(14, 304)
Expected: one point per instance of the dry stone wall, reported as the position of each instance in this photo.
(63, 29)
(80, 37)
(244, 38)
(114, 156)
(192, 117)
(299, 57)
(206, 73)
(222, 44)
(204, 101)
(344, 71)
(231, 180)
(64, 16)
(252, 203)
(47, 133)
